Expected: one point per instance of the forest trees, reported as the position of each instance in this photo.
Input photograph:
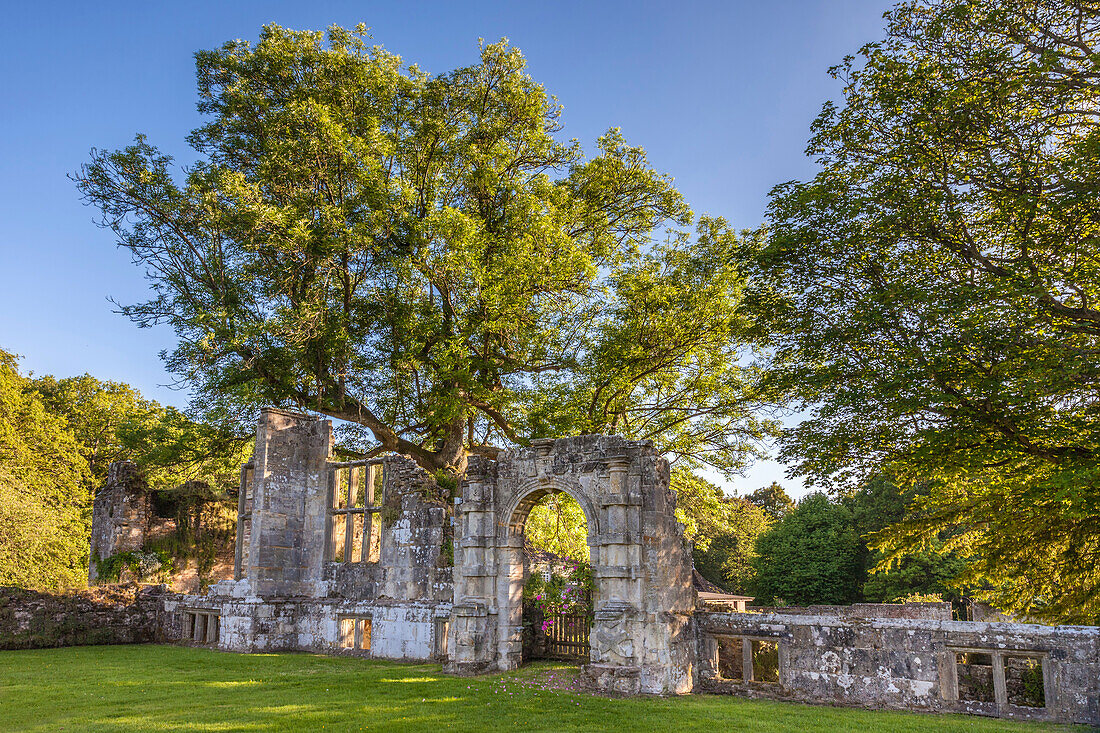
(932, 294)
(45, 494)
(57, 437)
(724, 530)
(421, 256)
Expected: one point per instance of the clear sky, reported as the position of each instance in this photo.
(720, 94)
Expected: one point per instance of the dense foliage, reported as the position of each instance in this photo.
(723, 530)
(931, 295)
(821, 551)
(773, 499)
(810, 556)
(421, 256)
(57, 437)
(45, 498)
(557, 524)
(568, 593)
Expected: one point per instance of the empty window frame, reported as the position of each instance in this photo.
(731, 658)
(354, 632)
(1000, 677)
(974, 673)
(244, 521)
(747, 659)
(1024, 685)
(200, 627)
(765, 661)
(354, 530)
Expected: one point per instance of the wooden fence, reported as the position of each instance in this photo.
(565, 636)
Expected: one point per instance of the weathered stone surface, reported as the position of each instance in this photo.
(906, 663)
(115, 614)
(120, 515)
(410, 598)
(641, 565)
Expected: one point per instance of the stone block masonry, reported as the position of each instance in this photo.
(116, 614)
(641, 565)
(1021, 671)
(120, 515)
(373, 558)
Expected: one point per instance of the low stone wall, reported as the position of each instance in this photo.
(127, 614)
(402, 630)
(930, 611)
(909, 664)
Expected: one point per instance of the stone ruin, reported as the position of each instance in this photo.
(374, 558)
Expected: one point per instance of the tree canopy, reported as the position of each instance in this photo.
(723, 530)
(45, 497)
(812, 555)
(931, 294)
(773, 499)
(557, 524)
(422, 256)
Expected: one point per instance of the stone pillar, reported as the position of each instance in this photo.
(510, 601)
(120, 515)
(471, 631)
(289, 505)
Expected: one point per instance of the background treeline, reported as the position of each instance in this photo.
(815, 551)
(57, 438)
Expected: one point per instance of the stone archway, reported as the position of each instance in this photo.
(641, 566)
(511, 574)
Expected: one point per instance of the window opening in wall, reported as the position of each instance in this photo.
(765, 661)
(355, 632)
(355, 530)
(731, 658)
(363, 630)
(1024, 681)
(347, 633)
(442, 627)
(244, 521)
(201, 627)
(974, 673)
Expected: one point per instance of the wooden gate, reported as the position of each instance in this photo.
(561, 636)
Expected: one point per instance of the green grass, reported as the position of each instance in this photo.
(164, 688)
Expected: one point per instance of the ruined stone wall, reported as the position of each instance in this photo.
(641, 639)
(930, 611)
(120, 515)
(416, 557)
(115, 614)
(290, 478)
(906, 664)
(294, 592)
(409, 631)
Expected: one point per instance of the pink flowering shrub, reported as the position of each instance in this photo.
(571, 593)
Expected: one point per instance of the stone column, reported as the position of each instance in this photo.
(510, 602)
(289, 504)
(471, 631)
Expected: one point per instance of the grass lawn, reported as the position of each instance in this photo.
(165, 688)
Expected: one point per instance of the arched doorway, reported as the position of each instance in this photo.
(513, 568)
(558, 590)
(641, 639)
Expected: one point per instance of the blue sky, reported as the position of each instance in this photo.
(721, 95)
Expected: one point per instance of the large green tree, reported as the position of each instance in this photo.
(812, 555)
(928, 572)
(422, 256)
(723, 530)
(45, 502)
(932, 294)
(112, 421)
